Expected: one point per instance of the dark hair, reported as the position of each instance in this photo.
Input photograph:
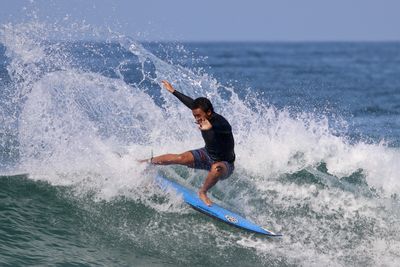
(203, 103)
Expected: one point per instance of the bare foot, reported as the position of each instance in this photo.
(143, 161)
(203, 196)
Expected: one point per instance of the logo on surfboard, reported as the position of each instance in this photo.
(231, 219)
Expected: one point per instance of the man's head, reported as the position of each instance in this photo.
(202, 109)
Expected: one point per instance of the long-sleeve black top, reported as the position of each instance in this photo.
(219, 141)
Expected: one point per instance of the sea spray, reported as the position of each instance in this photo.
(80, 127)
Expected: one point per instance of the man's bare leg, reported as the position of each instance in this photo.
(185, 158)
(217, 170)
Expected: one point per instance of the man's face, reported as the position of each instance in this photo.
(199, 115)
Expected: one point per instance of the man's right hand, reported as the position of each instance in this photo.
(168, 86)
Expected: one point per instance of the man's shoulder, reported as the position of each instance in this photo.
(219, 117)
(221, 121)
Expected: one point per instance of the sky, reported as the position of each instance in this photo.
(224, 20)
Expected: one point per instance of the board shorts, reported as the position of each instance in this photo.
(203, 161)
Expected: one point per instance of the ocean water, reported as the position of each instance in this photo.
(317, 130)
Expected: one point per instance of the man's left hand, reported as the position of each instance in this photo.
(205, 125)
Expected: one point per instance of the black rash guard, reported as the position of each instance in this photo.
(219, 139)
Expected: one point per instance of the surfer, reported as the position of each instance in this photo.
(217, 157)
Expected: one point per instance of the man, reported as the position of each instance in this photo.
(217, 156)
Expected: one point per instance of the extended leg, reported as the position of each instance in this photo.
(217, 171)
(185, 158)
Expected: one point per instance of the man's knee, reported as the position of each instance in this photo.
(219, 169)
(184, 158)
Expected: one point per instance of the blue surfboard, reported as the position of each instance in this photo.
(215, 211)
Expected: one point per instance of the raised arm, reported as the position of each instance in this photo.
(188, 101)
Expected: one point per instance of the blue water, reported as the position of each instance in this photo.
(317, 130)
